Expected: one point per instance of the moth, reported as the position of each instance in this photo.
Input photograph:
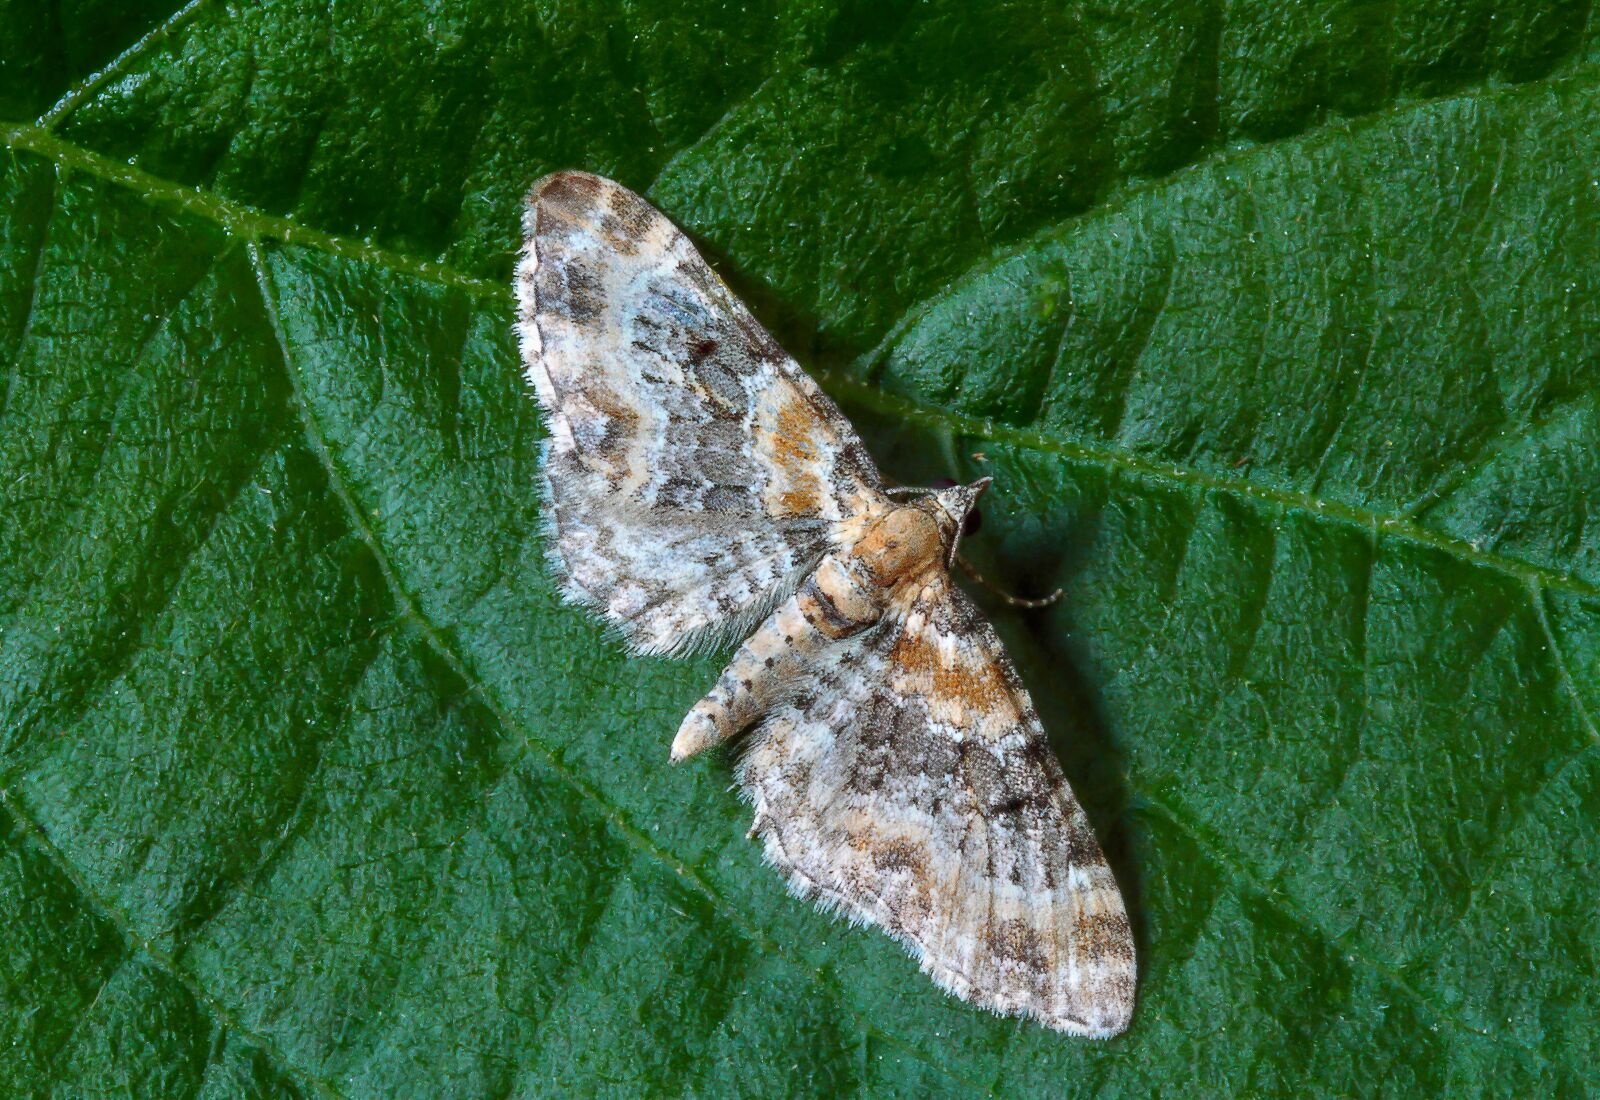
(699, 490)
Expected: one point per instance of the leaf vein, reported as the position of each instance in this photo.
(1558, 655)
(872, 360)
(1286, 907)
(97, 79)
(166, 963)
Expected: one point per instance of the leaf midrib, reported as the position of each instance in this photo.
(251, 224)
(1390, 525)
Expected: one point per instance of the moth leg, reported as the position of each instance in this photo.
(832, 604)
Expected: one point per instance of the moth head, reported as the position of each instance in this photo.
(952, 507)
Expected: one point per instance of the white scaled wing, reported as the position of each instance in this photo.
(907, 782)
(693, 472)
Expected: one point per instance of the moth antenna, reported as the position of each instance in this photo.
(1014, 601)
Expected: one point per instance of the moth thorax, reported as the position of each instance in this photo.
(902, 544)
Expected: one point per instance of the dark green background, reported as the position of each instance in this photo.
(1276, 321)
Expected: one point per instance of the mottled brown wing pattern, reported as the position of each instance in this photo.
(696, 483)
(693, 473)
(906, 781)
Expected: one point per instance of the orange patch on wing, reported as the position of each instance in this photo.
(971, 680)
(792, 443)
(794, 451)
(796, 502)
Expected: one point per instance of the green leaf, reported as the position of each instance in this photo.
(1278, 326)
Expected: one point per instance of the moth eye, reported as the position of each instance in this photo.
(974, 521)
